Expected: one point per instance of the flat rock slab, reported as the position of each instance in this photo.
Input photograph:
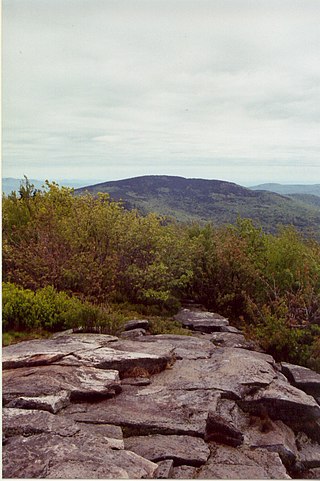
(27, 422)
(302, 378)
(152, 410)
(45, 351)
(234, 371)
(165, 469)
(184, 347)
(201, 321)
(133, 333)
(52, 387)
(181, 449)
(227, 462)
(50, 456)
(282, 401)
(128, 363)
(309, 452)
(184, 472)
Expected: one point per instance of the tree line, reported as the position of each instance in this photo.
(91, 250)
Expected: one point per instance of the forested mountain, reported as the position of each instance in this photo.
(211, 200)
(289, 189)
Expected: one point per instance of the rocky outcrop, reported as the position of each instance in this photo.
(202, 406)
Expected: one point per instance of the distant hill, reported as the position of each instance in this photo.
(290, 188)
(210, 200)
(10, 184)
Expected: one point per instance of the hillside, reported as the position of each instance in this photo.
(210, 200)
(289, 189)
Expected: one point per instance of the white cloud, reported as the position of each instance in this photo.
(123, 88)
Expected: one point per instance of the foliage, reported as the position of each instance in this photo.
(75, 256)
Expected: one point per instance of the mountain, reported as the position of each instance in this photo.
(209, 200)
(290, 188)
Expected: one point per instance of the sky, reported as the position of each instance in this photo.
(109, 89)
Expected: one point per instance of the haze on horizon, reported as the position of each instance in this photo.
(110, 89)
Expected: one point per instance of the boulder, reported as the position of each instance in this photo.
(136, 324)
(302, 378)
(81, 456)
(183, 472)
(227, 462)
(229, 339)
(181, 449)
(225, 423)
(52, 387)
(309, 452)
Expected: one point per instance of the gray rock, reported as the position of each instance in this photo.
(184, 472)
(51, 456)
(53, 387)
(274, 436)
(227, 462)
(136, 381)
(281, 401)
(136, 324)
(309, 452)
(133, 334)
(181, 449)
(228, 339)
(105, 433)
(221, 426)
(164, 470)
(185, 347)
(28, 422)
(201, 321)
(161, 411)
(46, 351)
(302, 378)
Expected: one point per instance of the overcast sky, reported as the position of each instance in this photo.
(218, 89)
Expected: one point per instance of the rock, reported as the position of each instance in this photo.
(136, 324)
(221, 372)
(28, 422)
(51, 456)
(274, 436)
(133, 334)
(46, 351)
(124, 357)
(201, 321)
(183, 472)
(181, 449)
(309, 452)
(311, 474)
(282, 401)
(136, 381)
(227, 462)
(230, 329)
(108, 434)
(185, 347)
(161, 411)
(302, 378)
(228, 339)
(164, 470)
(223, 425)
(52, 387)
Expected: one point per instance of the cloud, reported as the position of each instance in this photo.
(122, 88)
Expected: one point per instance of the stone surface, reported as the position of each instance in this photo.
(45, 351)
(164, 470)
(133, 334)
(181, 449)
(224, 424)
(302, 378)
(51, 456)
(309, 452)
(227, 462)
(136, 324)
(228, 339)
(201, 321)
(183, 472)
(274, 436)
(282, 401)
(184, 347)
(51, 388)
